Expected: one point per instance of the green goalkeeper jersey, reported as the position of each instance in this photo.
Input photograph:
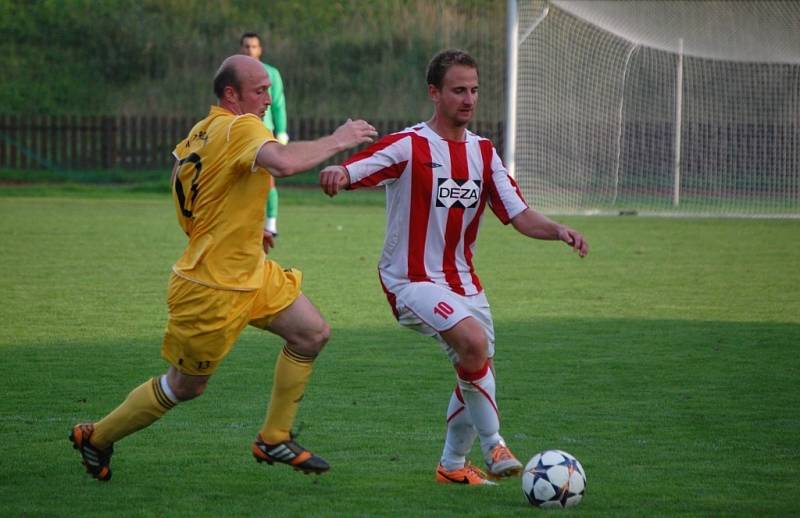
(275, 116)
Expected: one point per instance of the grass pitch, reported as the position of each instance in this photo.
(667, 361)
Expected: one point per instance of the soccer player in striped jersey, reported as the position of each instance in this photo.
(439, 177)
(223, 281)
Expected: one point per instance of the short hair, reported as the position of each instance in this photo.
(249, 35)
(442, 61)
(226, 76)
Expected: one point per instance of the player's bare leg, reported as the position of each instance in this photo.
(476, 383)
(186, 386)
(306, 333)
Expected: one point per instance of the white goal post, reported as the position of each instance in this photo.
(651, 107)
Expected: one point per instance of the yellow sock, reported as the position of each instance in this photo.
(292, 372)
(143, 406)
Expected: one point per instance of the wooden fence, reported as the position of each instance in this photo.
(138, 142)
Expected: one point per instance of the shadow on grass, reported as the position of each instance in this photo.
(633, 351)
(651, 407)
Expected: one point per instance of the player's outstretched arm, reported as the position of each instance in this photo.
(297, 157)
(536, 225)
(333, 179)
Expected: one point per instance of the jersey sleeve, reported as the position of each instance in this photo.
(246, 136)
(505, 198)
(381, 163)
(177, 152)
(182, 148)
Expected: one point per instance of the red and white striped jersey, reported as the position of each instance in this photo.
(436, 191)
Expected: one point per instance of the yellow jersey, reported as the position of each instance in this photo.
(219, 195)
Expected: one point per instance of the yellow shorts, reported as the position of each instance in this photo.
(205, 322)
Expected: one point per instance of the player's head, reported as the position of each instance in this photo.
(242, 85)
(250, 45)
(453, 85)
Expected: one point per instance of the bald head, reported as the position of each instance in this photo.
(235, 71)
(242, 85)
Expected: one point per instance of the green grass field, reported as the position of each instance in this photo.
(667, 361)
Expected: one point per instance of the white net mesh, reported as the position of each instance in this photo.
(597, 109)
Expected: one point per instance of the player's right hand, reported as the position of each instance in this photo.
(332, 179)
(267, 240)
(352, 133)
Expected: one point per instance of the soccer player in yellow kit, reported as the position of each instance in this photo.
(223, 281)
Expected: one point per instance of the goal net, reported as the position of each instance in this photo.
(658, 107)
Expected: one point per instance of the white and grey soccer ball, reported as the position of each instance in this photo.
(554, 479)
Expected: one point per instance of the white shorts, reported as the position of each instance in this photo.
(430, 309)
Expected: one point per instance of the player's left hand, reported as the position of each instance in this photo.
(267, 241)
(352, 133)
(574, 239)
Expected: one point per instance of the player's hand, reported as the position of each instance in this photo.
(574, 239)
(332, 179)
(267, 241)
(352, 133)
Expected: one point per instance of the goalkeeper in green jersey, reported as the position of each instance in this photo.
(274, 118)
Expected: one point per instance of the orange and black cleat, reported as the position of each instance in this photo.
(502, 463)
(96, 461)
(469, 475)
(290, 453)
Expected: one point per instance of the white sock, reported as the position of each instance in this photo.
(478, 391)
(460, 433)
(167, 389)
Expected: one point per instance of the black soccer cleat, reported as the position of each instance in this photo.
(290, 453)
(96, 461)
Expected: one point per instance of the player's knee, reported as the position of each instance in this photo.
(472, 363)
(474, 353)
(324, 335)
(321, 337)
(185, 387)
(313, 340)
(187, 391)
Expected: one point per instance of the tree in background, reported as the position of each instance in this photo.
(139, 57)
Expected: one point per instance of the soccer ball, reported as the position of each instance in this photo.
(553, 478)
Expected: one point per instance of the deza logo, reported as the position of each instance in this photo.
(458, 193)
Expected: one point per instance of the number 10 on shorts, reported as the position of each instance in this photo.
(443, 309)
